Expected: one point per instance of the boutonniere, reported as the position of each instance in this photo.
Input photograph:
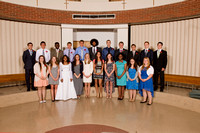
(71, 52)
(33, 50)
(96, 49)
(161, 51)
(84, 49)
(45, 65)
(136, 53)
(46, 51)
(60, 51)
(123, 50)
(112, 49)
(148, 50)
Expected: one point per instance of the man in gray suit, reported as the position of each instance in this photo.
(58, 53)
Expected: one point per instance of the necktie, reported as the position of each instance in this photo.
(133, 53)
(69, 53)
(158, 53)
(81, 53)
(108, 50)
(57, 51)
(120, 50)
(146, 52)
(31, 52)
(94, 50)
(43, 52)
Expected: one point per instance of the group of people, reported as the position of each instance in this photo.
(66, 71)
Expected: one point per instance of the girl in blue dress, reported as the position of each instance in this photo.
(132, 79)
(120, 71)
(146, 82)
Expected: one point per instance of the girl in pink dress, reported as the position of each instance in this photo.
(41, 78)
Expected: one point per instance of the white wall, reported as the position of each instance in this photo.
(101, 35)
(14, 37)
(93, 5)
(181, 40)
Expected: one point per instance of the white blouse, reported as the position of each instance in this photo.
(149, 71)
(67, 67)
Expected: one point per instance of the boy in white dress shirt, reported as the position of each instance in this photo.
(43, 51)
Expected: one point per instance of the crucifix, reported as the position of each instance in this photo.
(37, 1)
(66, 3)
(124, 3)
(153, 2)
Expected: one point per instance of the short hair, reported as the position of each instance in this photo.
(43, 42)
(133, 45)
(146, 42)
(29, 43)
(160, 43)
(121, 42)
(69, 43)
(108, 41)
(81, 41)
(56, 43)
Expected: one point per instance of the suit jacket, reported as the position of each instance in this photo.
(92, 55)
(161, 61)
(29, 61)
(54, 53)
(136, 57)
(149, 54)
(105, 52)
(125, 53)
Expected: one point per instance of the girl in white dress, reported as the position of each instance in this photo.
(66, 88)
(87, 74)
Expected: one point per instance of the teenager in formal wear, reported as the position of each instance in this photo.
(147, 52)
(54, 72)
(121, 50)
(43, 51)
(132, 79)
(108, 50)
(134, 54)
(29, 62)
(109, 81)
(94, 48)
(159, 64)
(56, 52)
(98, 74)
(41, 78)
(120, 72)
(146, 72)
(77, 70)
(82, 50)
(66, 88)
(87, 74)
(69, 51)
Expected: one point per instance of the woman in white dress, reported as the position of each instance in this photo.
(87, 74)
(66, 88)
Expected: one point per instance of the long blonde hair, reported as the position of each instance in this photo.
(148, 63)
(89, 60)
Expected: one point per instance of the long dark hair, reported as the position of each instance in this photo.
(74, 62)
(135, 64)
(68, 61)
(96, 58)
(107, 58)
(44, 62)
(51, 63)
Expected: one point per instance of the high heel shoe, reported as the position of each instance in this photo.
(150, 103)
(143, 101)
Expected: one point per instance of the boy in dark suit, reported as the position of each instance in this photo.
(29, 61)
(147, 52)
(159, 64)
(108, 50)
(121, 50)
(94, 49)
(134, 54)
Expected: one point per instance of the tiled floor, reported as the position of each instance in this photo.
(132, 117)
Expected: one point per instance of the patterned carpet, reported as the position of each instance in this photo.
(87, 128)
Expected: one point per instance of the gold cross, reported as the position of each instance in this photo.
(153, 2)
(66, 3)
(124, 3)
(37, 1)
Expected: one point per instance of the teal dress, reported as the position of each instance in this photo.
(120, 69)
